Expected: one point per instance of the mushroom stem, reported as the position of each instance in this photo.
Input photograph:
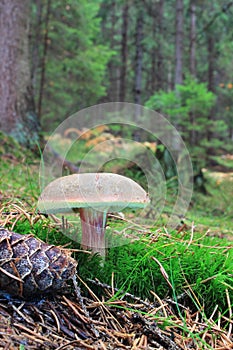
(93, 229)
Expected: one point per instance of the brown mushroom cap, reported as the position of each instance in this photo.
(100, 191)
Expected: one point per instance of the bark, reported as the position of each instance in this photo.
(17, 109)
(124, 49)
(43, 63)
(160, 72)
(179, 43)
(138, 71)
(113, 92)
(152, 74)
(138, 58)
(157, 72)
(192, 61)
(211, 61)
(34, 44)
(211, 68)
(192, 55)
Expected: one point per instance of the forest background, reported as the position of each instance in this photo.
(175, 57)
(172, 56)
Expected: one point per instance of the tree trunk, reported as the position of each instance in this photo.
(138, 71)
(211, 60)
(160, 71)
(113, 93)
(211, 67)
(35, 48)
(124, 49)
(153, 72)
(17, 116)
(138, 57)
(192, 54)
(43, 62)
(179, 43)
(192, 63)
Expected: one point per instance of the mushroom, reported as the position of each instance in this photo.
(93, 195)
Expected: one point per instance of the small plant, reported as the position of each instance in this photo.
(189, 108)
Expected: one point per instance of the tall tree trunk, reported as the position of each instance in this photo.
(192, 54)
(124, 49)
(192, 63)
(211, 61)
(112, 69)
(211, 68)
(138, 69)
(43, 63)
(35, 52)
(17, 110)
(179, 43)
(153, 73)
(138, 57)
(160, 71)
(154, 11)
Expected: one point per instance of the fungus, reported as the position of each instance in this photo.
(93, 195)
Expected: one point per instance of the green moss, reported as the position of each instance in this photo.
(201, 268)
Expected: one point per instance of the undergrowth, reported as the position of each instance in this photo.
(203, 268)
(161, 263)
(196, 261)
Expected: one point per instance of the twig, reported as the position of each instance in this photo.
(117, 290)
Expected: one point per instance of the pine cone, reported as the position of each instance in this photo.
(30, 267)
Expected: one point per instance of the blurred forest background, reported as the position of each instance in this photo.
(173, 56)
(86, 52)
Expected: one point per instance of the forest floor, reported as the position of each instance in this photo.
(108, 319)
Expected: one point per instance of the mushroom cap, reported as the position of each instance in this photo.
(100, 191)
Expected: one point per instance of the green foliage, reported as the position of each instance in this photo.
(191, 97)
(85, 63)
(189, 108)
(224, 161)
(76, 60)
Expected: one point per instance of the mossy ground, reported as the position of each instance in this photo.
(195, 258)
